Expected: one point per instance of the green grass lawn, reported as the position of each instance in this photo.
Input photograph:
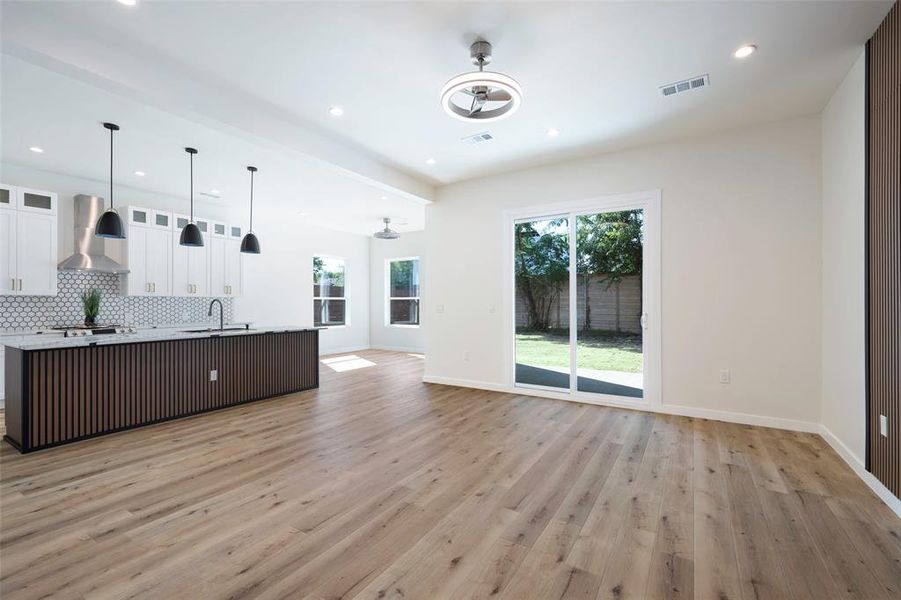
(600, 350)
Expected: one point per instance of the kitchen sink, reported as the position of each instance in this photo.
(214, 329)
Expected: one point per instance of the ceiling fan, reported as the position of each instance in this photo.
(387, 233)
(481, 95)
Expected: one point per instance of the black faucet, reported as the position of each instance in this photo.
(210, 312)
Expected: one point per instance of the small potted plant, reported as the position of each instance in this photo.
(90, 303)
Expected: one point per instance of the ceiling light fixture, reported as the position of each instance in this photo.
(481, 95)
(383, 197)
(745, 51)
(430, 161)
(127, 2)
(140, 173)
(215, 192)
(250, 244)
(109, 225)
(553, 132)
(37, 150)
(335, 111)
(190, 235)
(387, 233)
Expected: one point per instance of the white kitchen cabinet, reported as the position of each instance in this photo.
(148, 252)
(190, 265)
(225, 261)
(28, 224)
(234, 262)
(8, 282)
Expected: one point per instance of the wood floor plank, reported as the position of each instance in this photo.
(377, 485)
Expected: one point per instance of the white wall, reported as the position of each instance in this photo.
(844, 275)
(278, 283)
(382, 335)
(741, 253)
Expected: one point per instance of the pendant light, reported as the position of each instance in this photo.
(109, 225)
(190, 235)
(250, 244)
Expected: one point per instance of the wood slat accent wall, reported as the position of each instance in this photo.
(75, 393)
(884, 250)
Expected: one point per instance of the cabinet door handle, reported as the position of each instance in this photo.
(154, 287)
(20, 285)
(13, 279)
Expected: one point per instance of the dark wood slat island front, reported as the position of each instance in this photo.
(58, 393)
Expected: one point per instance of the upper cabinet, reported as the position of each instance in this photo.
(148, 252)
(28, 242)
(190, 265)
(225, 260)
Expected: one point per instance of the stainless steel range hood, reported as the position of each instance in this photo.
(90, 252)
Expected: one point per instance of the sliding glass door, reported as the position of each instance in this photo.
(581, 302)
(541, 277)
(608, 339)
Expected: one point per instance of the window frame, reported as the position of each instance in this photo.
(345, 298)
(389, 297)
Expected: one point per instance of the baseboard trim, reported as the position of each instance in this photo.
(398, 349)
(858, 467)
(333, 351)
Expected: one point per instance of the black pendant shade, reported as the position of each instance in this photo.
(250, 244)
(109, 225)
(190, 235)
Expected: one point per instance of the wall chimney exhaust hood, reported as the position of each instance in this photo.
(90, 252)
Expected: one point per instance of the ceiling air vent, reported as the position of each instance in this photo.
(477, 138)
(671, 89)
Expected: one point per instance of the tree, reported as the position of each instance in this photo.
(610, 245)
(542, 266)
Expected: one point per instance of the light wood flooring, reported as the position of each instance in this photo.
(379, 486)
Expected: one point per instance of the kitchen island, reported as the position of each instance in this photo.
(64, 390)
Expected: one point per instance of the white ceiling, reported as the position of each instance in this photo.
(63, 116)
(589, 69)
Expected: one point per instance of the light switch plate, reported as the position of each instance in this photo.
(725, 376)
(214, 375)
(883, 425)
(439, 308)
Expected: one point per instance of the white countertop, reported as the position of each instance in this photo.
(35, 342)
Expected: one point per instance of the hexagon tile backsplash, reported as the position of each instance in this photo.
(37, 312)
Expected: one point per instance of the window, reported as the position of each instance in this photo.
(403, 292)
(329, 292)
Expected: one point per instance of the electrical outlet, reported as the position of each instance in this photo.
(883, 425)
(466, 356)
(214, 375)
(439, 308)
(492, 309)
(725, 376)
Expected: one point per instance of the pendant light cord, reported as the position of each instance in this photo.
(111, 203)
(192, 187)
(251, 201)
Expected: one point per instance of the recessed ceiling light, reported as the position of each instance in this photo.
(383, 197)
(335, 111)
(127, 2)
(553, 132)
(140, 173)
(745, 51)
(37, 150)
(430, 161)
(301, 214)
(215, 191)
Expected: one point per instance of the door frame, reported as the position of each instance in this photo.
(649, 202)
